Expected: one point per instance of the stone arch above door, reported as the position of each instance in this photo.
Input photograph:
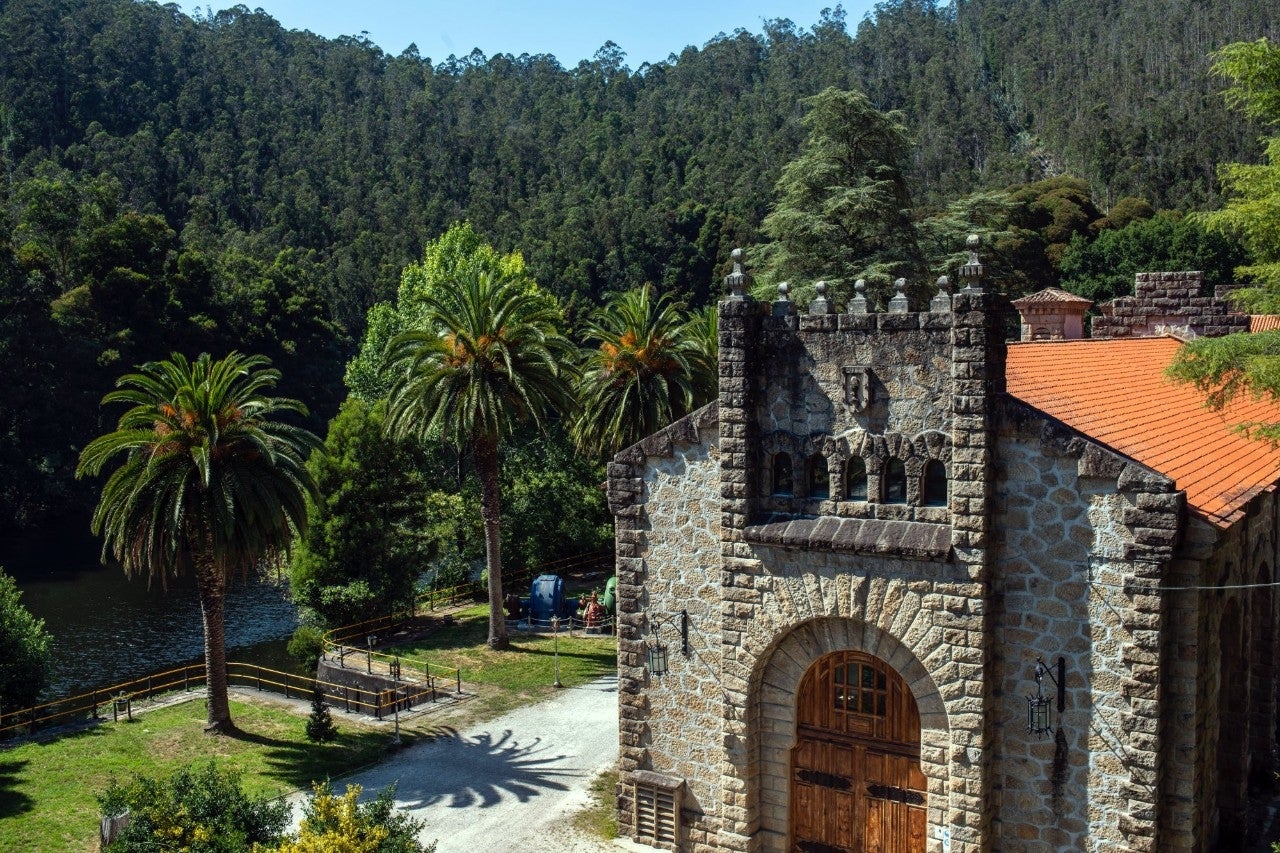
(775, 714)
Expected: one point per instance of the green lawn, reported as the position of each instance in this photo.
(600, 817)
(48, 790)
(528, 667)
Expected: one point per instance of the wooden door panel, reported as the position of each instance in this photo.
(856, 782)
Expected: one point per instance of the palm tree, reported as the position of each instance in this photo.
(488, 358)
(703, 331)
(650, 369)
(210, 484)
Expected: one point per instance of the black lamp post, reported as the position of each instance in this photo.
(555, 631)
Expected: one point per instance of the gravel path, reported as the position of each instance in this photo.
(512, 783)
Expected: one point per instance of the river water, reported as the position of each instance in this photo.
(107, 628)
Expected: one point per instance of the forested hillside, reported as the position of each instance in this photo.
(220, 183)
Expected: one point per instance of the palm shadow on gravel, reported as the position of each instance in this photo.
(489, 769)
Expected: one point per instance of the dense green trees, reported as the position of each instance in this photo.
(1104, 268)
(844, 210)
(211, 484)
(206, 810)
(197, 809)
(331, 824)
(217, 182)
(365, 543)
(488, 359)
(1247, 363)
(1252, 208)
(25, 665)
(459, 251)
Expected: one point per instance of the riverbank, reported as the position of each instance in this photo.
(107, 628)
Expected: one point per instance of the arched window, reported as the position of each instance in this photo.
(783, 482)
(933, 486)
(855, 479)
(819, 480)
(895, 482)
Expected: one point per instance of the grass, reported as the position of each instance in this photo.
(527, 669)
(48, 790)
(600, 819)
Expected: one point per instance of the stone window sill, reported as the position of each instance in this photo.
(860, 535)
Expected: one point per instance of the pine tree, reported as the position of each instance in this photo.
(320, 726)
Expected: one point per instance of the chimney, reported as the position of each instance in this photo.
(1052, 315)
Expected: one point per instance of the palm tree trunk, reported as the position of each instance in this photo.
(213, 588)
(490, 504)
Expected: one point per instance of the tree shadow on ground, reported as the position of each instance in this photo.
(606, 659)
(465, 633)
(12, 801)
(299, 764)
(477, 772)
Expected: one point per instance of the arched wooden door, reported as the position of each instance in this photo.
(856, 783)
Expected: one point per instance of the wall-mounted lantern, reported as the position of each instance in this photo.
(1039, 706)
(657, 651)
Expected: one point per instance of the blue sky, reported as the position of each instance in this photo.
(572, 30)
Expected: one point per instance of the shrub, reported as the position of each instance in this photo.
(201, 811)
(24, 650)
(342, 823)
(307, 645)
(320, 726)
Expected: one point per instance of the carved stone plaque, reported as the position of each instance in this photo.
(857, 388)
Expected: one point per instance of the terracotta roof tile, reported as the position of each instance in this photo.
(1115, 392)
(1051, 294)
(1264, 322)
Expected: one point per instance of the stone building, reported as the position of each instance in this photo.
(852, 588)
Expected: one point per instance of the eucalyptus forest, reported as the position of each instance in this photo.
(217, 183)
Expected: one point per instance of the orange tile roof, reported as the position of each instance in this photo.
(1264, 322)
(1115, 392)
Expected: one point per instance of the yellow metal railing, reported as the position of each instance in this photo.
(87, 705)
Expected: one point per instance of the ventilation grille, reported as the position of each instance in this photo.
(657, 809)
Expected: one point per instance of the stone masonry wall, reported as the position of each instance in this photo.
(1168, 302)
(925, 628)
(902, 408)
(664, 493)
(682, 503)
(1204, 697)
(857, 574)
(1071, 515)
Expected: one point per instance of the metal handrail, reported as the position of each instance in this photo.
(238, 674)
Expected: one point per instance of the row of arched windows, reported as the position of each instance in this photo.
(893, 480)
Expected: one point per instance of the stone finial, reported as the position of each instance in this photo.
(898, 304)
(971, 271)
(820, 304)
(858, 304)
(941, 302)
(782, 305)
(739, 281)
